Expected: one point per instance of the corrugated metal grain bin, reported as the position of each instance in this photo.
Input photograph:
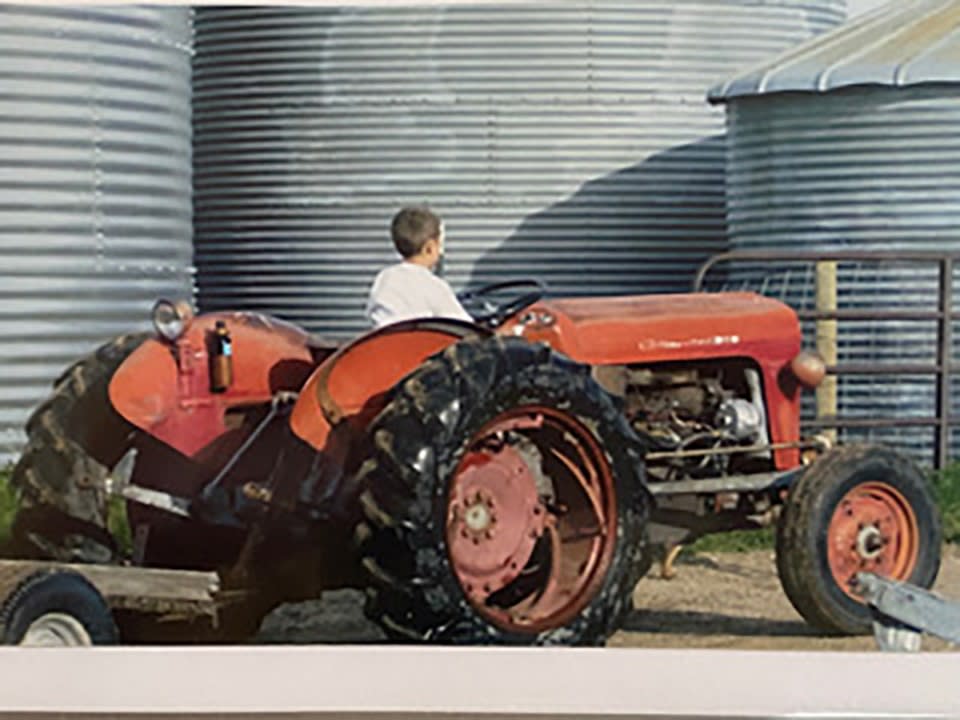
(851, 142)
(95, 212)
(569, 141)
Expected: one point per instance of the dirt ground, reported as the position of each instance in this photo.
(716, 600)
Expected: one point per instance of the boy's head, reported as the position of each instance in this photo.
(418, 235)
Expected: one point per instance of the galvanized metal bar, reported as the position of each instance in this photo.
(867, 315)
(884, 368)
(875, 422)
(813, 256)
(944, 359)
(758, 482)
(728, 450)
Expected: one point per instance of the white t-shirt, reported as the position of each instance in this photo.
(406, 291)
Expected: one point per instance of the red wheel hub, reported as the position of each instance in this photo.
(873, 530)
(531, 523)
(494, 520)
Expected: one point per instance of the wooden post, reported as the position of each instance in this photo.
(827, 340)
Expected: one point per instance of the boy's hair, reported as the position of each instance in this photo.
(412, 227)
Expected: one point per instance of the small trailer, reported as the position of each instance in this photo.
(57, 604)
(903, 612)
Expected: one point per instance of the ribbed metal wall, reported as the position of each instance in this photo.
(95, 215)
(854, 169)
(564, 140)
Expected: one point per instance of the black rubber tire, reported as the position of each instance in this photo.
(419, 438)
(801, 538)
(75, 437)
(57, 591)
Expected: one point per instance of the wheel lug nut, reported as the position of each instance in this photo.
(488, 534)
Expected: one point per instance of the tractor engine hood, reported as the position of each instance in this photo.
(661, 328)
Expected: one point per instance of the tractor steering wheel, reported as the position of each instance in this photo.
(485, 311)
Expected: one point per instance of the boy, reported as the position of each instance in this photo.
(409, 289)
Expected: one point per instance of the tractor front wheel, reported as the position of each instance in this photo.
(856, 509)
(504, 503)
(75, 437)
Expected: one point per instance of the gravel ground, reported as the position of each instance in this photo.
(716, 600)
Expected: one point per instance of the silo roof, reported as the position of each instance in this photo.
(898, 45)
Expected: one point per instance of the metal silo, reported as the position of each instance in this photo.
(851, 142)
(95, 213)
(568, 141)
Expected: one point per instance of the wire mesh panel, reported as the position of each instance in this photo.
(854, 169)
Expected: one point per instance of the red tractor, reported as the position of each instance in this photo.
(503, 482)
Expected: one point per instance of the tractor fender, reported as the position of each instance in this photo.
(353, 383)
(164, 388)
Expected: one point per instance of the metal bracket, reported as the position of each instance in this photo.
(758, 482)
(903, 612)
(282, 402)
(158, 499)
(118, 483)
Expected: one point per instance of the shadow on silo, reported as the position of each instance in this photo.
(645, 228)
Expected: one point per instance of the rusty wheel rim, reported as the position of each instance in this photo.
(531, 521)
(875, 530)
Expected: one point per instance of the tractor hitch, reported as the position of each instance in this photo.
(903, 612)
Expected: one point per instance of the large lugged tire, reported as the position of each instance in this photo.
(504, 502)
(859, 508)
(74, 439)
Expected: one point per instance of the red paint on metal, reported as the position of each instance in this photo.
(164, 389)
(491, 523)
(661, 328)
(576, 526)
(873, 529)
(354, 381)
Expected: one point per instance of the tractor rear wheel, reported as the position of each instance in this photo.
(504, 502)
(74, 439)
(859, 508)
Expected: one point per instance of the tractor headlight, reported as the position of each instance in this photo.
(170, 319)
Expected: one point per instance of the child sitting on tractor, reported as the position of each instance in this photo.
(410, 289)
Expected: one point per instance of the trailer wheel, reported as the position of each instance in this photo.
(504, 503)
(859, 508)
(75, 438)
(57, 608)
